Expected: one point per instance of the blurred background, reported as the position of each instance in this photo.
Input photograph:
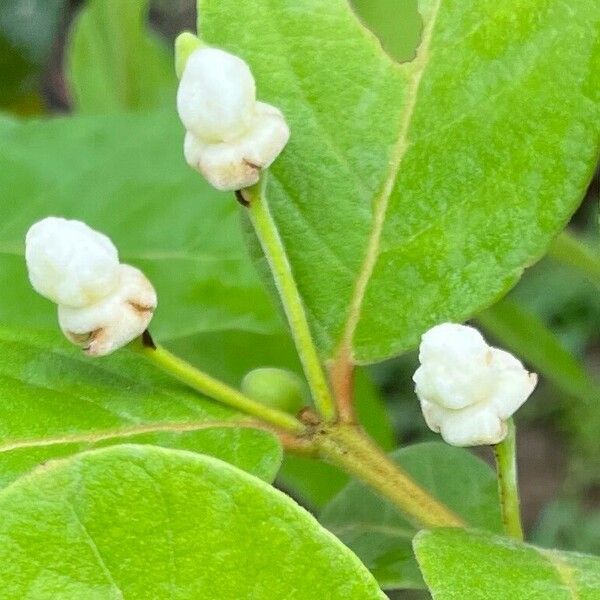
(551, 319)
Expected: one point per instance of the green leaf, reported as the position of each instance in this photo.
(55, 402)
(125, 175)
(114, 63)
(411, 194)
(138, 522)
(458, 564)
(231, 354)
(382, 537)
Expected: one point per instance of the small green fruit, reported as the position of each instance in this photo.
(277, 388)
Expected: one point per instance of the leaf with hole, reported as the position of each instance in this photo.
(415, 193)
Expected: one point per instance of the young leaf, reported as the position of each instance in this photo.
(125, 176)
(382, 538)
(113, 61)
(458, 564)
(55, 402)
(411, 194)
(138, 522)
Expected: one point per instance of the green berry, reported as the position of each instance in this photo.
(276, 388)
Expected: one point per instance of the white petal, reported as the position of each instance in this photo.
(216, 96)
(113, 322)
(269, 134)
(222, 165)
(70, 263)
(513, 383)
(434, 415)
(475, 426)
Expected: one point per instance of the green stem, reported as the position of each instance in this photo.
(346, 447)
(273, 248)
(570, 251)
(215, 389)
(508, 486)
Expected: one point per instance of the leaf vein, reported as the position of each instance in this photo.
(382, 201)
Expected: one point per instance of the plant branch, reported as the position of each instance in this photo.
(570, 251)
(273, 248)
(213, 388)
(508, 487)
(346, 447)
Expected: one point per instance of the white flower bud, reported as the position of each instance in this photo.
(102, 305)
(110, 324)
(467, 388)
(230, 136)
(70, 263)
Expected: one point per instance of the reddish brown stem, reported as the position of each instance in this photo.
(341, 373)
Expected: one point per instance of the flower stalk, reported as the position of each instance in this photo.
(213, 388)
(508, 486)
(273, 248)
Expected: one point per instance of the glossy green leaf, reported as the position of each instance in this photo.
(458, 564)
(54, 402)
(231, 354)
(382, 537)
(411, 194)
(143, 522)
(125, 175)
(113, 61)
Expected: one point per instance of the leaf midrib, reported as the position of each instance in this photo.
(344, 351)
(124, 432)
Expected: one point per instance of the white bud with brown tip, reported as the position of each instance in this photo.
(102, 304)
(230, 137)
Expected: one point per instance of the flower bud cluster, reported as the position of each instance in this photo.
(102, 304)
(230, 137)
(467, 388)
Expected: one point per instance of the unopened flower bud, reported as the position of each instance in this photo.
(277, 388)
(467, 388)
(230, 136)
(102, 305)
